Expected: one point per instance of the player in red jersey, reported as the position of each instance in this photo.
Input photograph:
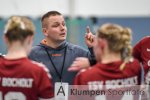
(115, 65)
(141, 51)
(21, 78)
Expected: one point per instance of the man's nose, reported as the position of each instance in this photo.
(62, 27)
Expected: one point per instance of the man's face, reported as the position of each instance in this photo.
(56, 29)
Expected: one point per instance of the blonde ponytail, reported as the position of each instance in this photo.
(18, 28)
(119, 40)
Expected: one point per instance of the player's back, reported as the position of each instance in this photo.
(108, 80)
(22, 79)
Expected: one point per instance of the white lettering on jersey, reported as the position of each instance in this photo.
(121, 82)
(95, 85)
(17, 82)
(113, 84)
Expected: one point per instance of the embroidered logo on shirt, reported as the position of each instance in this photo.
(56, 55)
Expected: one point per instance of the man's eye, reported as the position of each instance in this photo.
(64, 24)
(55, 25)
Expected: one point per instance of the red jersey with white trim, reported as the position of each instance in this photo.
(141, 51)
(110, 75)
(23, 79)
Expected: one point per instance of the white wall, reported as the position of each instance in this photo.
(76, 7)
(113, 7)
(31, 7)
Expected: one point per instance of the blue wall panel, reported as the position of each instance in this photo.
(77, 28)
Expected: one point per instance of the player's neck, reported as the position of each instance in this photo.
(15, 52)
(53, 44)
(111, 57)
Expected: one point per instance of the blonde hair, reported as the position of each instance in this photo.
(18, 28)
(118, 37)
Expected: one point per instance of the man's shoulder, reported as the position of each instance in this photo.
(37, 47)
(76, 47)
(35, 52)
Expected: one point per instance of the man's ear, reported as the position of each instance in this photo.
(44, 30)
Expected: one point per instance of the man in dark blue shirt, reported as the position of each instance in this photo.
(54, 51)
